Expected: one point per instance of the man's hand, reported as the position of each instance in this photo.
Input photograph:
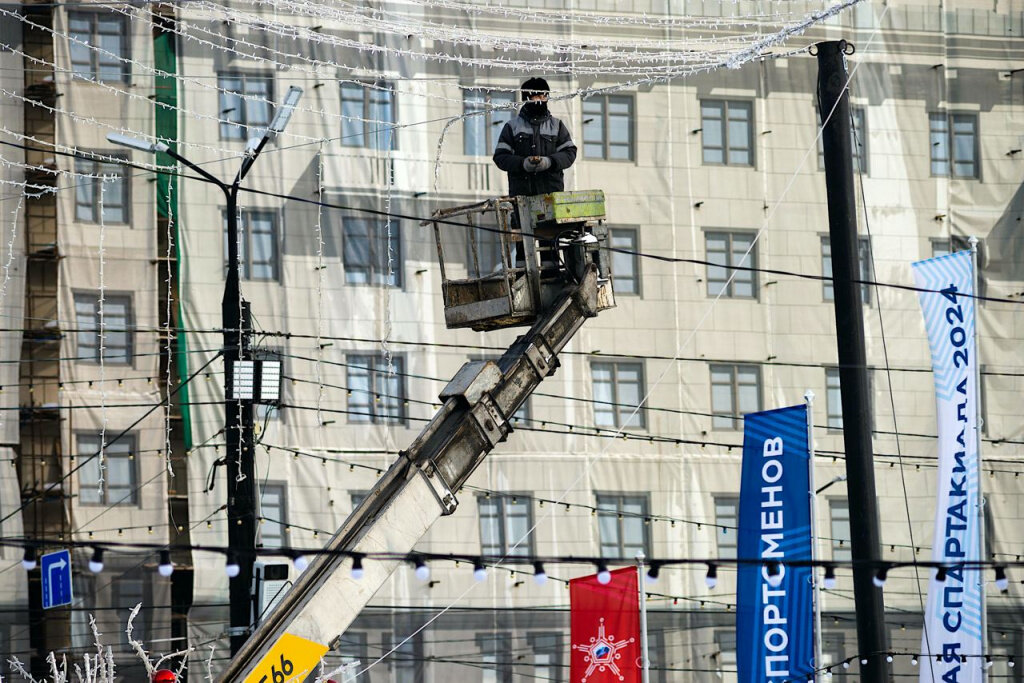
(536, 164)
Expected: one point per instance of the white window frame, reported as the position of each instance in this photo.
(92, 339)
(253, 109)
(723, 120)
(97, 57)
(497, 107)
(273, 526)
(92, 175)
(374, 272)
(504, 524)
(359, 128)
(727, 525)
(124, 448)
(374, 406)
(727, 270)
(615, 408)
(628, 239)
(610, 509)
(247, 244)
(732, 419)
(597, 117)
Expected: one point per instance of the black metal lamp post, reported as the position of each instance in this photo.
(238, 408)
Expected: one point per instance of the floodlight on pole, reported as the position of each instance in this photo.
(135, 143)
(285, 111)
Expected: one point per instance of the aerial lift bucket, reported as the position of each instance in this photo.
(503, 260)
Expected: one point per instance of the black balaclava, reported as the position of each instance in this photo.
(534, 86)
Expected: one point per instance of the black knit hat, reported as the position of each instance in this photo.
(534, 86)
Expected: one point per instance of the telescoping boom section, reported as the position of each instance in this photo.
(421, 485)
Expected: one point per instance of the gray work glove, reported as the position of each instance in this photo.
(536, 164)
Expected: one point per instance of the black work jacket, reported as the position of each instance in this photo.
(544, 136)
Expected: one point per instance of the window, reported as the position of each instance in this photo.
(357, 498)
(119, 475)
(371, 252)
(833, 399)
(481, 130)
(618, 389)
(954, 144)
(726, 251)
(352, 648)
(504, 521)
(104, 333)
(625, 267)
(408, 659)
(858, 141)
(944, 246)
(608, 127)
(257, 245)
(727, 512)
(941, 247)
(735, 391)
(621, 522)
(547, 656)
(839, 512)
(274, 515)
(101, 191)
(376, 391)
(864, 259)
(728, 132)
(495, 656)
(98, 44)
(725, 647)
(368, 115)
(245, 105)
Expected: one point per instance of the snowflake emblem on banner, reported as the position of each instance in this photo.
(601, 653)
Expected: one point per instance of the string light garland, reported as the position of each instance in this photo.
(420, 560)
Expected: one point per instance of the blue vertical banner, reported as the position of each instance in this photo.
(775, 615)
(953, 619)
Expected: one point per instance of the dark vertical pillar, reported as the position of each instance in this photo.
(238, 424)
(834, 108)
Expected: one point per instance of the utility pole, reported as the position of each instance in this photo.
(236, 323)
(834, 108)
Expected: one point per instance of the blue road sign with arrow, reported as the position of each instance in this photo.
(56, 570)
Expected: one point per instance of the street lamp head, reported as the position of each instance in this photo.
(284, 112)
(135, 143)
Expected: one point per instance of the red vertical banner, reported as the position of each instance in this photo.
(605, 629)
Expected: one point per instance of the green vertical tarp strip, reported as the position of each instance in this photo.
(166, 118)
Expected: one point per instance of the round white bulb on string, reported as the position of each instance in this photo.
(96, 563)
(166, 567)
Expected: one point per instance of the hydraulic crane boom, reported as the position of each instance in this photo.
(421, 484)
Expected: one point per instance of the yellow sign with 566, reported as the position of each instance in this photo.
(291, 659)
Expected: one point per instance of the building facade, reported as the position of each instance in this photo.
(715, 168)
